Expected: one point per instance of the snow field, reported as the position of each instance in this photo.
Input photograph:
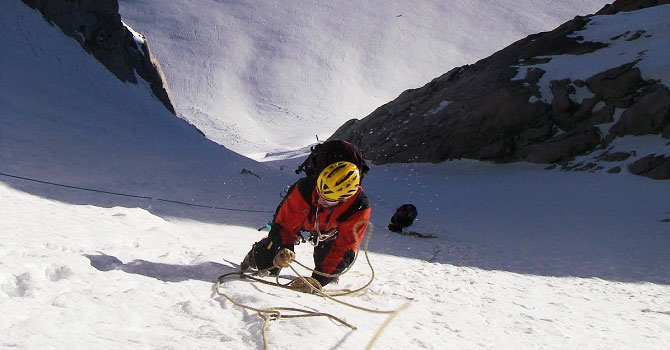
(86, 276)
(525, 258)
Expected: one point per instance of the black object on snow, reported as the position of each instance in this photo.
(404, 217)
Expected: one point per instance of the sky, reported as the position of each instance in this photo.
(524, 257)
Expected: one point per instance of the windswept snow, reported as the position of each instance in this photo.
(264, 75)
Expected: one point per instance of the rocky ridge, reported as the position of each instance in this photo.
(97, 27)
(503, 109)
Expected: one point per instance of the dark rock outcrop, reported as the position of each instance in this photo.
(649, 114)
(629, 5)
(613, 157)
(477, 111)
(615, 170)
(615, 86)
(652, 166)
(97, 26)
(493, 110)
(562, 147)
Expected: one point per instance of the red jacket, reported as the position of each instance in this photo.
(298, 212)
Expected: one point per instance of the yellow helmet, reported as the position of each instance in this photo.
(339, 181)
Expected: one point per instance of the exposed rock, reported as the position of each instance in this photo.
(613, 157)
(494, 109)
(588, 166)
(475, 111)
(567, 166)
(637, 35)
(97, 26)
(648, 115)
(629, 5)
(602, 115)
(562, 106)
(617, 37)
(652, 166)
(615, 170)
(562, 147)
(533, 75)
(615, 86)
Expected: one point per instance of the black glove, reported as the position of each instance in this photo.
(263, 252)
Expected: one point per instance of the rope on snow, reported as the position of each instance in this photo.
(310, 286)
(134, 195)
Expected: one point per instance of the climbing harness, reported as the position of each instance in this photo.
(314, 238)
(284, 259)
(317, 236)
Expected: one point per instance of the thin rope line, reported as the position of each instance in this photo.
(326, 294)
(214, 207)
(136, 196)
(273, 313)
(75, 187)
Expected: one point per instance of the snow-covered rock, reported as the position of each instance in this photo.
(545, 99)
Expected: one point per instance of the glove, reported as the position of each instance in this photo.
(262, 254)
(283, 258)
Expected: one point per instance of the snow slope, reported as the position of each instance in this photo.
(66, 119)
(82, 276)
(524, 258)
(263, 76)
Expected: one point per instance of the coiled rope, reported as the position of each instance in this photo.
(135, 196)
(284, 259)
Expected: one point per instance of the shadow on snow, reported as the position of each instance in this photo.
(206, 272)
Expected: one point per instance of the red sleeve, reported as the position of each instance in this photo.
(291, 213)
(346, 241)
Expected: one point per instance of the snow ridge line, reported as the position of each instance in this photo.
(136, 196)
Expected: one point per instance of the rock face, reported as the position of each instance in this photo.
(630, 5)
(493, 110)
(97, 26)
(652, 166)
(478, 112)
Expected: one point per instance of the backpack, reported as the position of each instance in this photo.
(331, 151)
(403, 217)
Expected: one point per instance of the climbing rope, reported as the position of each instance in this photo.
(134, 195)
(309, 285)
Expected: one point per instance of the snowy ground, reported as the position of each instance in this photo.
(82, 276)
(524, 259)
(246, 72)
